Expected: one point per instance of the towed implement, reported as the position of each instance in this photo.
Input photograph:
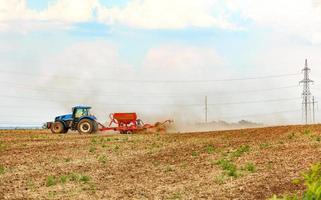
(82, 121)
(127, 123)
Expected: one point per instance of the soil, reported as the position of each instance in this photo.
(41, 165)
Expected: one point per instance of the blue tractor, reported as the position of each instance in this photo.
(79, 120)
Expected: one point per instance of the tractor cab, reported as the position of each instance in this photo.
(80, 111)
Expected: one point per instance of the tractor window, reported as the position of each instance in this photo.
(81, 112)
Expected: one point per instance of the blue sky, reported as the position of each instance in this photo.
(156, 40)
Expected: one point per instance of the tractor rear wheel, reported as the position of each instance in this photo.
(58, 127)
(86, 126)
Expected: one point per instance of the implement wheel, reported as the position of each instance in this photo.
(87, 126)
(58, 127)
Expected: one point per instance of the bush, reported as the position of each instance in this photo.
(312, 181)
(51, 181)
(229, 168)
(250, 167)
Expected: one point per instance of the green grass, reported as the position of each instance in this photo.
(229, 168)
(307, 132)
(194, 154)
(250, 167)
(2, 146)
(291, 136)
(94, 141)
(84, 178)
(92, 149)
(31, 185)
(2, 169)
(168, 168)
(296, 181)
(176, 195)
(264, 145)
(209, 149)
(312, 182)
(116, 148)
(51, 181)
(240, 151)
(63, 179)
(220, 179)
(52, 194)
(103, 159)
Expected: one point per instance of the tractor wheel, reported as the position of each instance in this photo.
(96, 128)
(65, 130)
(86, 126)
(58, 127)
(129, 132)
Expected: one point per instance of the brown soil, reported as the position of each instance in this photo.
(156, 166)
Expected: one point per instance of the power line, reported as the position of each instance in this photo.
(155, 81)
(130, 104)
(102, 93)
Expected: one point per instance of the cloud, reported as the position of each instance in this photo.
(177, 61)
(15, 16)
(298, 18)
(168, 14)
(145, 14)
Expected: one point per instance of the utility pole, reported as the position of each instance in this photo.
(206, 108)
(313, 108)
(306, 94)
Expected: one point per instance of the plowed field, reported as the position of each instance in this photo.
(240, 164)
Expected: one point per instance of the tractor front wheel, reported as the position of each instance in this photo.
(86, 126)
(58, 127)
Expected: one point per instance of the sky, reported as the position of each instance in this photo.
(158, 58)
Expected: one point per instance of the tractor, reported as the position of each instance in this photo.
(79, 120)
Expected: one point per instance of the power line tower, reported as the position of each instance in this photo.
(306, 94)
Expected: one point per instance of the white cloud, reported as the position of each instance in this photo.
(298, 18)
(168, 14)
(15, 16)
(183, 62)
(70, 11)
(147, 14)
